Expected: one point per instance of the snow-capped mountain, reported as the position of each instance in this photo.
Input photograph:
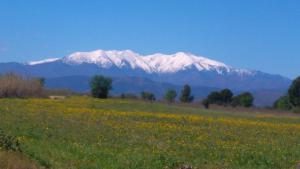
(156, 63)
(133, 72)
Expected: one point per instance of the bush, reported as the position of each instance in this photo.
(283, 103)
(100, 86)
(13, 85)
(245, 100)
(235, 102)
(170, 96)
(186, 96)
(226, 96)
(9, 142)
(148, 96)
(221, 98)
(215, 98)
(292, 100)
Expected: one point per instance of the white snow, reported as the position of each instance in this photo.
(43, 61)
(156, 63)
(109, 58)
(182, 61)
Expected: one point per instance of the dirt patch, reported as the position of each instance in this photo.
(15, 160)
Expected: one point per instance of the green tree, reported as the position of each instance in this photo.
(221, 98)
(215, 98)
(294, 93)
(100, 86)
(170, 95)
(244, 99)
(186, 96)
(283, 103)
(148, 96)
(226, 95)
(235, 101)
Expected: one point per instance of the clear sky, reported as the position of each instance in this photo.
(255, 34)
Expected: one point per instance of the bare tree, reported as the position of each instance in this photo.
(13, 85)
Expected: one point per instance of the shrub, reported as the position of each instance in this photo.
(9, 142)
(226, 96)
(235, 101)
(170, 95)
(292, 100)
(221, 98)
(244, 99)
(100, 86)
(215, 98)
(283, 103)
(148, 96)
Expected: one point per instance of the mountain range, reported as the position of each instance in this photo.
(133, 72)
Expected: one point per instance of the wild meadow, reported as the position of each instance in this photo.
(87, 133)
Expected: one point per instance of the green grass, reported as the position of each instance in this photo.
(82, 132)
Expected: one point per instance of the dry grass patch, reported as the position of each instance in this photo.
(14, 160)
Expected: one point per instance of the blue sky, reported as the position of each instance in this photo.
(254, 34)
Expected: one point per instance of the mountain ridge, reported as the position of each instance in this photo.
(154, 63)
(163, 71)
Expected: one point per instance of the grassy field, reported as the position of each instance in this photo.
(86, 133)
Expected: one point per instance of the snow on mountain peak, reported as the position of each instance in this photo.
(109, 58)
(159, 63)
(43, 61)
(183, 61)
(155, 63)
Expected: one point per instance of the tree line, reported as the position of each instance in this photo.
(13, 85)
(226, 98)
(101, 85)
